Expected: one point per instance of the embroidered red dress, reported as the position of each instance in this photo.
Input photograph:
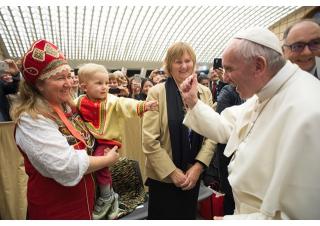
(48, 199)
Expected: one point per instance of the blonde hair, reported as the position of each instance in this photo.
(114, 76)
(176, 51)
(87, 70)
(118, 73)
(30, 101)
(121, 77)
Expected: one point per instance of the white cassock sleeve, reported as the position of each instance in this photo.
(205, 121)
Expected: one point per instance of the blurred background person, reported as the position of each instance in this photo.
(157, 76)
(175, 156)
(75, 91)
(215, 76)
(114, 84)
(135, 86)
(227, 97)
(113, 80)
(146, 84)
(302, 45)
(9, 84)
(203, 79)
(123, 82)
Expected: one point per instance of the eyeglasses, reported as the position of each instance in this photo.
(297, 47)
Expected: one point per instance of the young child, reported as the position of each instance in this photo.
(104, 114)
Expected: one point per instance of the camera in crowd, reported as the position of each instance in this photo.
(114, 90)
(217, 63)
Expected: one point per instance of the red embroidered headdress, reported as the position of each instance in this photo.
(42, 61)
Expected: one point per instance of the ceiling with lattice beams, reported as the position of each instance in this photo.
(124, 34)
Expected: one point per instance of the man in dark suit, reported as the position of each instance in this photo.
(302, 45)
(9, 83)
(217, 83)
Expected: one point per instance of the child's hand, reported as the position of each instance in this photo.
(151, 105)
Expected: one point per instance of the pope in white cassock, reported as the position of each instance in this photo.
(274, 136)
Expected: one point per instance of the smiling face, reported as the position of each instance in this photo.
(97, 86)
(182, 67)
(205, 82)
(157, 78)
(75, 80)
(180, 61)
(6, 77)
(302, 32)
(146, 86)
(135, 86)
(56, 89)
(238, 72)
(113, 83)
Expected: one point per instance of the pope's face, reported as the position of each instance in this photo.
(238, 72)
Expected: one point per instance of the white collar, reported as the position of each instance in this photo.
(286, 72)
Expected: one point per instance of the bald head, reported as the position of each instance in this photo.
(298, 26)
(302, 33)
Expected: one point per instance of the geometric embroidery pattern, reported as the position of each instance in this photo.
(38, 54)
(51, 51)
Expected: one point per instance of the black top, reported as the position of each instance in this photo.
(228, 97)
(5, 89)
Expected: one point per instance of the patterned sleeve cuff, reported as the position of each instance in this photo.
(141, 108)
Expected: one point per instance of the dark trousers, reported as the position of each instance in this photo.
(167, 202)
(224, 182)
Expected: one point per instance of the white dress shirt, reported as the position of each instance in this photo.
(49, 152)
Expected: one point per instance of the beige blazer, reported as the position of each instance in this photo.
(156, 143)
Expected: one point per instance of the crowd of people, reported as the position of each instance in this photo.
(9, 83)
(256, 115)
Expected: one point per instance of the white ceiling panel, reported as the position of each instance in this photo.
(130, 33)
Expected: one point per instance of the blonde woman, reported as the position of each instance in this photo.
(175, 156)
(54, 140)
